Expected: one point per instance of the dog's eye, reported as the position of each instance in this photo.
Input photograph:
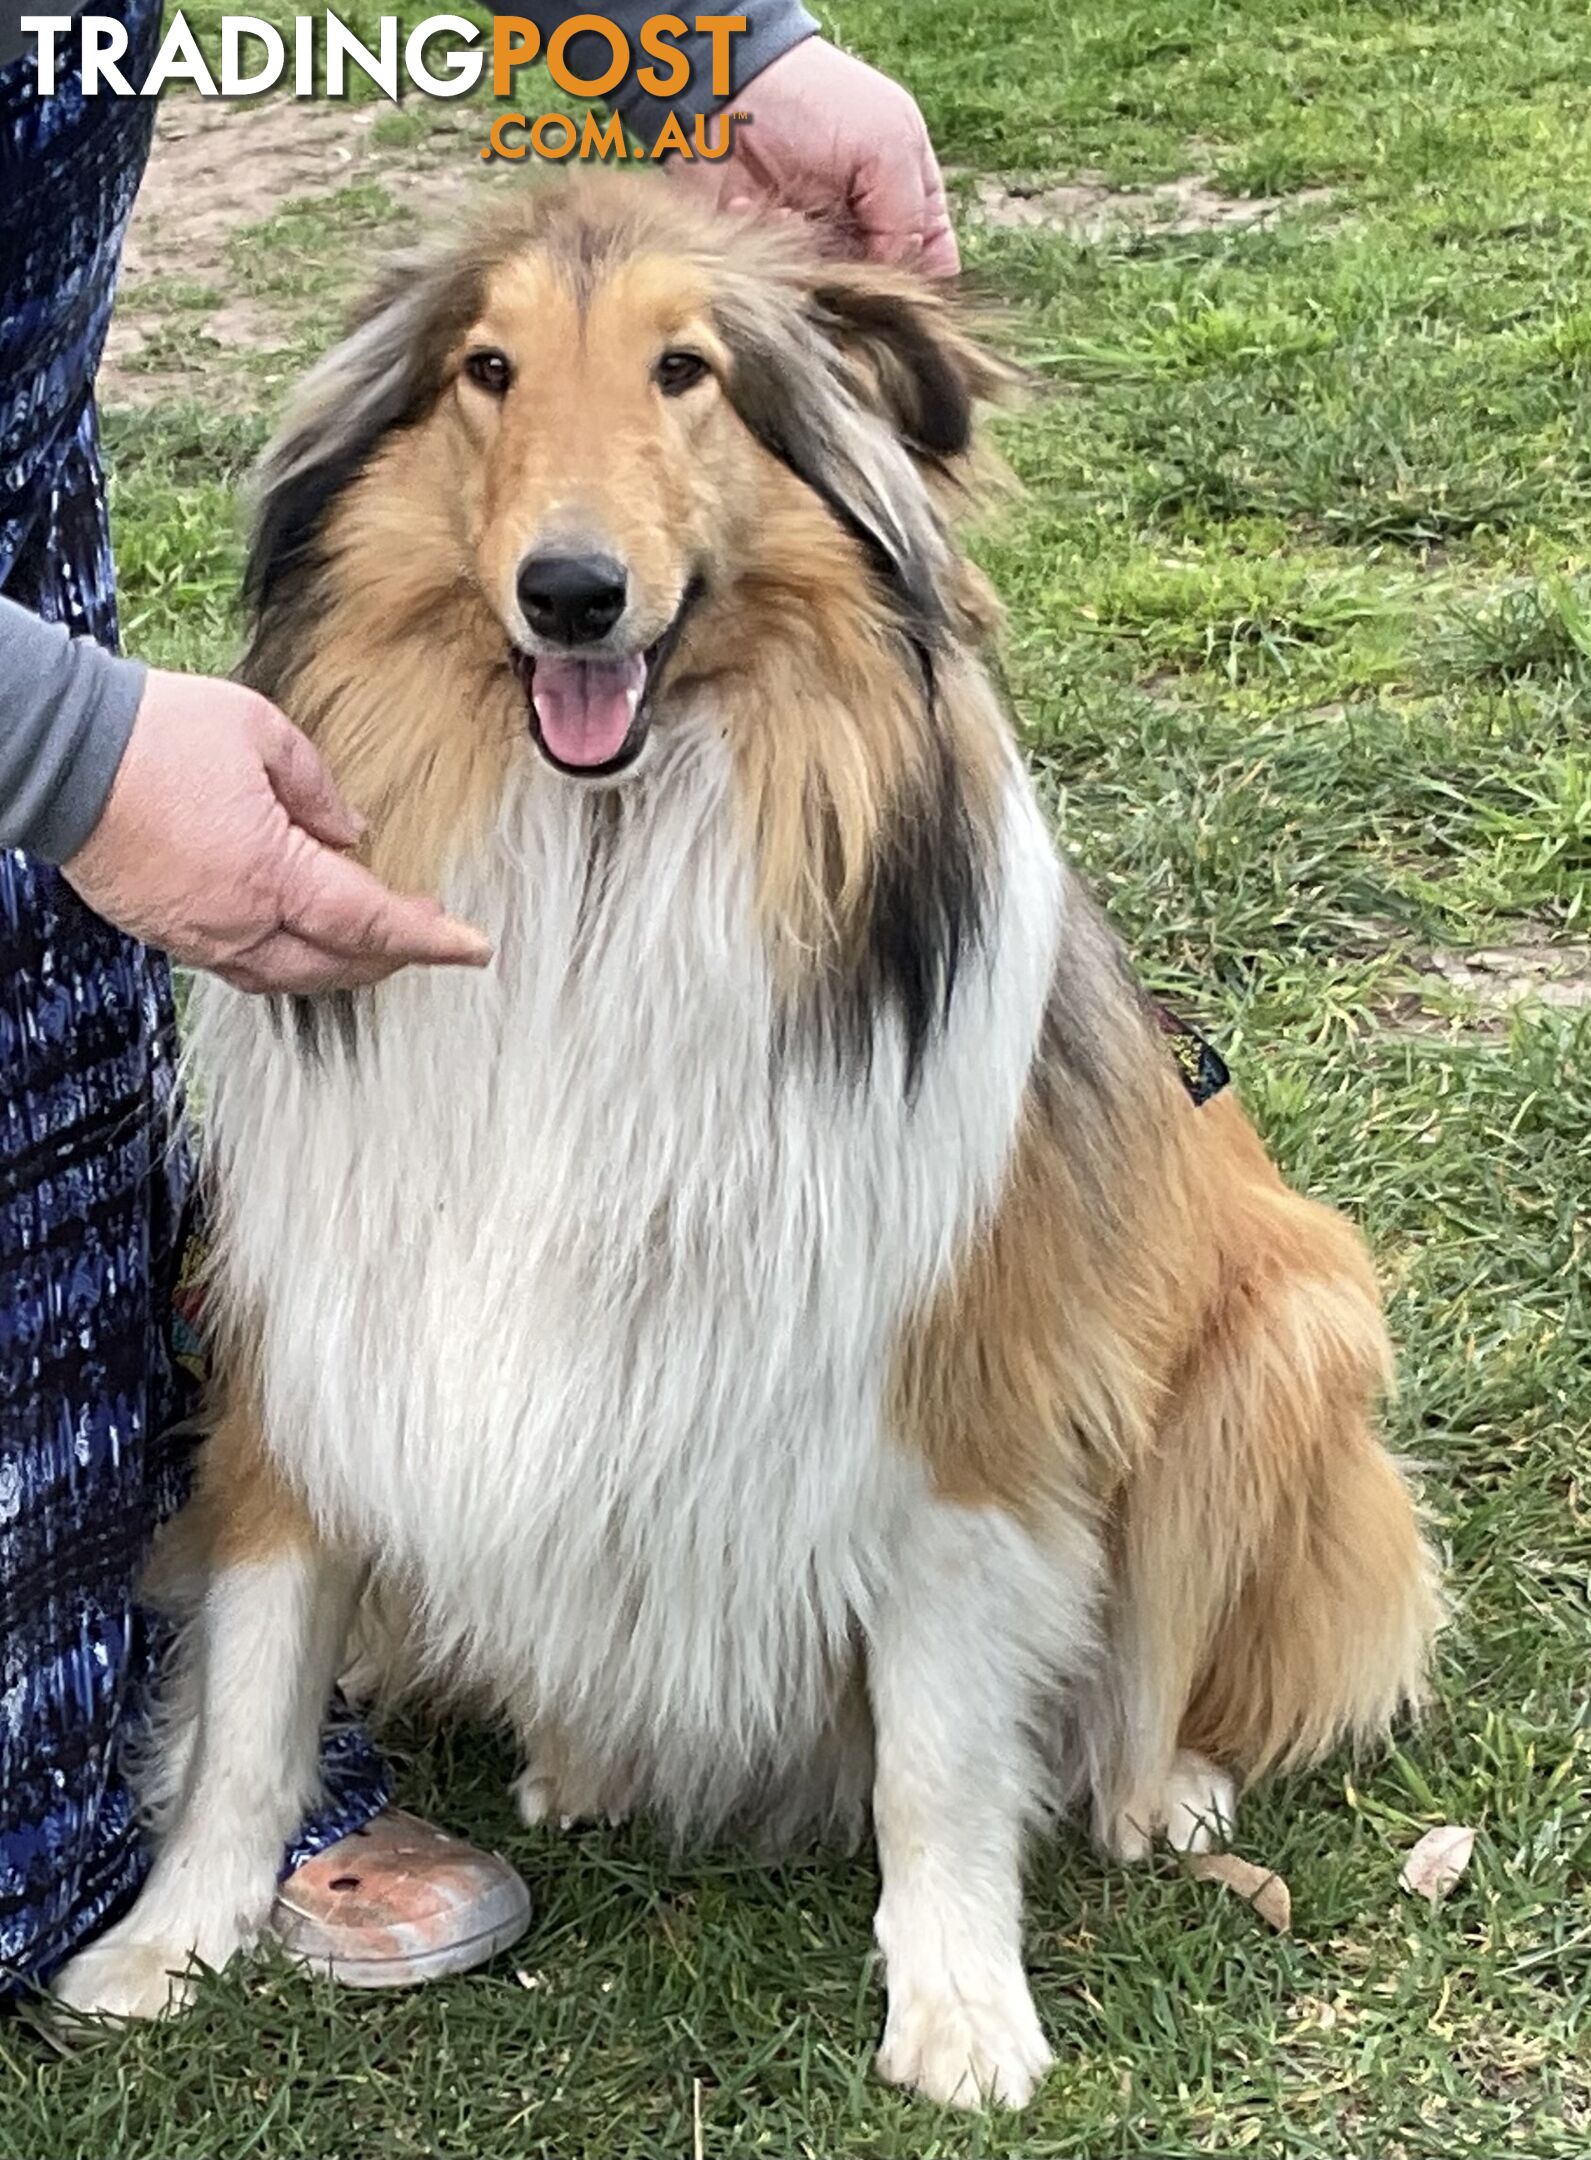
(493, 371)
(678, 371)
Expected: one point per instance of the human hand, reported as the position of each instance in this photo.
(221, 842)
(832, 139)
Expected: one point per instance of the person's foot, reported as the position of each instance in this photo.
(399, 1902)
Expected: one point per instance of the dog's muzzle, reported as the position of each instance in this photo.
(590, 716)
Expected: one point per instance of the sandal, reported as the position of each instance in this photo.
(399, 1902)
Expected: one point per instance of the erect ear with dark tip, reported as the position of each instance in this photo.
(918, 364)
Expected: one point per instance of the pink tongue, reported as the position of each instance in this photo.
(585, 706)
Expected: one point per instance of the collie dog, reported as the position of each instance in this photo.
(785, 1335)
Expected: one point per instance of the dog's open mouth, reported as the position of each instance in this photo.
(586, 714)
(591, 716)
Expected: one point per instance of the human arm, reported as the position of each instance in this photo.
(66, 710)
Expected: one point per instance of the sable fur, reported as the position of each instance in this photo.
(783, 1337)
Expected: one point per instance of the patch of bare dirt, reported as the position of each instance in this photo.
(1496, 980)
(239, 324)
(1503, 976)
(219, 165)
(1088, 208)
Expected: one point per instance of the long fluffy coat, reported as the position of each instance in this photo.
(784, 1335)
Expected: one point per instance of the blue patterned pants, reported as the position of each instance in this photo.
(93, 1169)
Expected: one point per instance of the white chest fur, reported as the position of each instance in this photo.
(577, 1314)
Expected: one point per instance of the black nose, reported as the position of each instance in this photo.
(574, 599)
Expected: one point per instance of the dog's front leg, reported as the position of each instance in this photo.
(950, 1673)
(264, 1650)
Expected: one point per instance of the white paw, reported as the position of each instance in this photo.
(1194, 1812)
(150, 1963)
(535, 1798)
(121, 1977)
(965, 2050)
(541, 1798)
(1200, 1806)
(1128, 1839)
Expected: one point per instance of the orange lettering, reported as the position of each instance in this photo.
(538, 135)
(515, 39)
(655, 36)
(564, 75)
(671, 137)
(720, 29)
(605, 141)
(498, 142)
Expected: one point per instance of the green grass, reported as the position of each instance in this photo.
(1301, 639)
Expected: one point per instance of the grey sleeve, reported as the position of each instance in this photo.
(66, 710)
(772, 27)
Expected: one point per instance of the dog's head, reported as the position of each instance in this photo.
(611, 423)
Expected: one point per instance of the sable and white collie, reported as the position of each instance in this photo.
(785, 1334)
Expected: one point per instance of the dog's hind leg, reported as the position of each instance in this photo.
(1273, 1595)
(265, 1645)
(1144, 1784)
(976, 1617)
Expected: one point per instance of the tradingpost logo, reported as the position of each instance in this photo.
(443, 57)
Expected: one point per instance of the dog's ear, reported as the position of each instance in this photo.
(808, 407)
(864, 382)
(384, 374)
(914, 355)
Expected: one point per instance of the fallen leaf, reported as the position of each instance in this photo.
(1260, 1887)
(1437, 1862)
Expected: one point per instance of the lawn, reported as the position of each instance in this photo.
(1300, 643)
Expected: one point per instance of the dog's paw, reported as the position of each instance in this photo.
(1200, 1805)
(1194, 1813)
(965, 2049)
(150, 1964)
(123, 1977)
(566, 1783)
(535, 1797)
(541, 1798)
